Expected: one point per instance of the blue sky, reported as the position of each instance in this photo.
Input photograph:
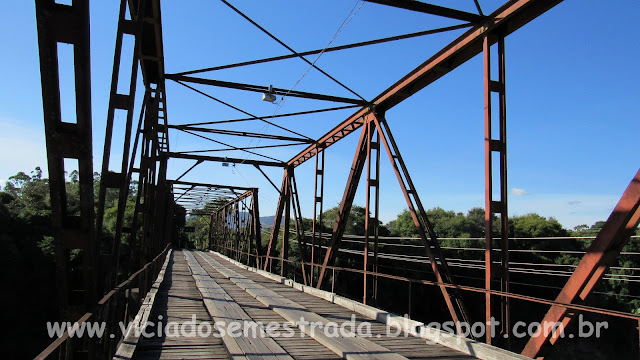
(572, 92)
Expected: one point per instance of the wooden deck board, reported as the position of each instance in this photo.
(350, 347)
(177, 301)
(300, 346)
(225, 310)
(410, 347)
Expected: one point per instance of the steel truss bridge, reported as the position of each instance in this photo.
(153, 271)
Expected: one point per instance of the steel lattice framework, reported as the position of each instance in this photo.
(234, 222)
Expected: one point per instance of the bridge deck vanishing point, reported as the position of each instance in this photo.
(214, 290)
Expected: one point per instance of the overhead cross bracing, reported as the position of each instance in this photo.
(241, 136)
(203, 84)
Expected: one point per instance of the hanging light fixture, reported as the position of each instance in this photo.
(269, 96)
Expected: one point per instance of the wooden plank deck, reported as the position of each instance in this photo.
(252, 297)
(408, 346)
(177, 301)
(225, 312)
(350, 346)
(299, 346)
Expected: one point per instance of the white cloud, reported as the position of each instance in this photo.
(518, 192)
(569, 209)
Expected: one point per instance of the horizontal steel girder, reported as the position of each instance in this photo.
(225, 159)
(507, 19)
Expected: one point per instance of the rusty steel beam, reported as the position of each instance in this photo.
(372, 201)
(345, 205)
(496, 144)
(329, 49)
(311, 64)
(316, 227)
(151, 57)
(424, 227)
(505, 20)
(241, 133)
(230, 147)
(297, 216)
(297, 113)
(152, 50)
(263, 89)
(246, 226)
(255, 212)
(284, 245)
(69, 139)
(437, 260)
(277, 220)
(119, 180)
(431, 9)
(266, 177)
(603, 251)
(225, 159)
(240, 110)
(239, 148)
(217, 186)
(242, 196)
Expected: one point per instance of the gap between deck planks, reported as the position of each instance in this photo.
(350, 347)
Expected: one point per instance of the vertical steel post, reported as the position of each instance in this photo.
(132, 239)
(69, 139)
(119, 180)
(409, 305)
(318, 195)
(297, 216)
(496, 145)
(238, 230)
(345, 205)
(371, 223)
(64, 24)
(428, 237)
(277, 220)
(211, 231)
(284, 245)
(257, 232)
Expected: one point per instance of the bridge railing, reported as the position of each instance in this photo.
(528, 268)
(118, 306)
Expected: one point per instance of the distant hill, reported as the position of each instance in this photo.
(267, 221)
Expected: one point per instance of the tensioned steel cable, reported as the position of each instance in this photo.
(231, 147)
(477, 3)
(342, 26)
(240, 110)
(306, 112)
(290, 49)
(331, 49)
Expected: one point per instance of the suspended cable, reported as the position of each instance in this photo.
(331, 49)
(307, 112)
(312, 65)
(240, 110)
(231, 147)
(289, 48)
(478, 7)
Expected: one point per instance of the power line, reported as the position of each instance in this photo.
(289, 48)
(346, 21)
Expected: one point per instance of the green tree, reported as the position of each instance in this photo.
(355, 221)
(403, 225)
(26, 262)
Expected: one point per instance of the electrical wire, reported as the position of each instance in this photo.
(352, 13)
(464, 263)
(288, 47)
